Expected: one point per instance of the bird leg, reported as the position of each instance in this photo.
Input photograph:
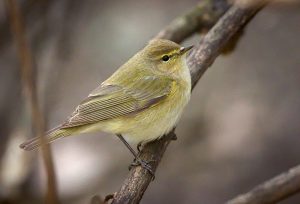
(137, 160)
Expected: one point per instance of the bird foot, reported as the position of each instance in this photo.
(144, 164)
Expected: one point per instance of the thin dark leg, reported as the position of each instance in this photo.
(137, 160)
(128, 146)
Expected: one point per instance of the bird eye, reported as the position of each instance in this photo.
(165, 58)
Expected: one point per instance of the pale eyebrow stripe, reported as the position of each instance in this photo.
(174, 53)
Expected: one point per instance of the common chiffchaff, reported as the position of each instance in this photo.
(142, 100)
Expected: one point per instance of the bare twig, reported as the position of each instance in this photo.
(30, 93)
(200, 59)
(272, 191)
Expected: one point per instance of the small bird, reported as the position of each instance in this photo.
(140, 102)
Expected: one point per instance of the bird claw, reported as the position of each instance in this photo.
(144, 164)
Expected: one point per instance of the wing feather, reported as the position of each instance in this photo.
(111, 101)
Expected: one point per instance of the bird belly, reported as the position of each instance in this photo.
(152, 124)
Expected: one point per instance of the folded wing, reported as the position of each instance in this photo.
(111, 101)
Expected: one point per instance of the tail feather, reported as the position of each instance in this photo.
(51, 135)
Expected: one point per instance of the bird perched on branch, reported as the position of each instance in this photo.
(140, 102)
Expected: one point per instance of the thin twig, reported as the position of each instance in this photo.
(200, 59)
(30, 92)
(272, 191)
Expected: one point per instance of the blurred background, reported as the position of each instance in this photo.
(240, 128)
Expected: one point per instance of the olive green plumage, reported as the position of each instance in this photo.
(142, 100)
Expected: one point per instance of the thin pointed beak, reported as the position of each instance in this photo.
(185, 49)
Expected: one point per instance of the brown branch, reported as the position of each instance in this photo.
(272, 191)
(200, 59)
(30, 93)
(201, 18)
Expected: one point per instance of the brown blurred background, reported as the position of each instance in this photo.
(240, 128)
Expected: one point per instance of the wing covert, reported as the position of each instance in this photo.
(111, 101)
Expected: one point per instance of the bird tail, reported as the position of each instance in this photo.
(51, 135)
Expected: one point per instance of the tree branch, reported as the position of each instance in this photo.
(199, 60)
(272, 191)
(201, 18)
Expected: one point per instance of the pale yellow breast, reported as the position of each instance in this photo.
(160, 119)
